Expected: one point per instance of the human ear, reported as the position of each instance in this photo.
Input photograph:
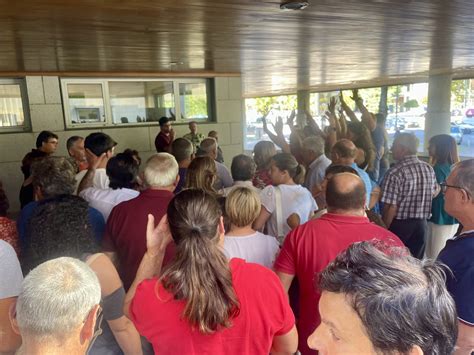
(87, 331)
(12, 316)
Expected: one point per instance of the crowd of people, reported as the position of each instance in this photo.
(312, 245)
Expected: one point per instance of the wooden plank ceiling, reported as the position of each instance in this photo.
(332, 43)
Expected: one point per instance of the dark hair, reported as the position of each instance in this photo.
(54, 176)
(182, 149)
(445, 149)
(4, 204)
(122, 171)
(134, 154)
(286, 161)
(58, 227)
(212, 134)
(163, 120)
(200, 273)
(99, 143)
(43, 137)
(334, 169)
(340, 197)
(71, 141)
(401, 301)
(243, 168)
(363, 140)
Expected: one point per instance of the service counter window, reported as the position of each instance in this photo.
(13, 106)
(121, 102)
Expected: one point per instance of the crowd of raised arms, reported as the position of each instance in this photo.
(319, 244)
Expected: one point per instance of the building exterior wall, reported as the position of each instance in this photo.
(46, 113)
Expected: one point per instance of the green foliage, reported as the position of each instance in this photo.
(411, 104)
(459, 89)
(195, 106)
(263, 105)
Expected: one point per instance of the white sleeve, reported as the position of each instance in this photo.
(10, 272)
(87, 193)
(267, 198)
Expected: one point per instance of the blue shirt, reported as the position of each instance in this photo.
(458, 256)
(95, 218)
(366, 179)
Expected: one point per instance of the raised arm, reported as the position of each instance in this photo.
(277, 138)
(157, 238)
(313, 125)
(88, 179)
(347, 109)
(112, 298)
(367, 118)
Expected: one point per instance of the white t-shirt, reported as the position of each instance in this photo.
(295, 199)
(254, 248)
(11, 276)
(101, 180)
(105, 199)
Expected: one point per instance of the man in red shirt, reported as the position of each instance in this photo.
(125, 234)
(309, 248)
(165, 137)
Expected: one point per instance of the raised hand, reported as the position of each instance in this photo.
(93, 160)
(291, 118)
(278, 126)
(157, 238)
(332, 105)
(355, 95)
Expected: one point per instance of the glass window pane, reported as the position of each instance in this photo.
(86, 103)
(193, 101)
(141, 101)
(11, 106)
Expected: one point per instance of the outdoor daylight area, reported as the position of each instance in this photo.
(404, 105)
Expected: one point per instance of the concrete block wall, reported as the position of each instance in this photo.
(46, 113)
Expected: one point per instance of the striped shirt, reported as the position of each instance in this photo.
(410, 185)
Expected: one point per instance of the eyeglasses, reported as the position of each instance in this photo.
(445, 186)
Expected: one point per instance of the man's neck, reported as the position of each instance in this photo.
(170, 188)
(30, 347)
(184, 164)
(356, 213)
(345, 161)
(467, 221)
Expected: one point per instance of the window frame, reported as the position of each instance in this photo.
(24, 102)
(108, 122)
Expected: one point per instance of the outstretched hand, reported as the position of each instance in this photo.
(355, 95)
(332, 105)
(157, 238)
(278, 126)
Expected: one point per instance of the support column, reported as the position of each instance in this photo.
(302, 97)
(438, 117)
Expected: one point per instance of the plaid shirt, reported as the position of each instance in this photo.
(410, 185)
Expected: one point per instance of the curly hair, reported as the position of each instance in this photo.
(58, 227)
(54, 176)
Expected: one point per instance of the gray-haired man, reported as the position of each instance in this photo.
(57, 308)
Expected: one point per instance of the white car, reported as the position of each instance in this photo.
(457, 134)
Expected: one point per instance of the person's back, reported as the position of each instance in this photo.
(125, 230)
(310, 247)
(254, 248)
(203, 304)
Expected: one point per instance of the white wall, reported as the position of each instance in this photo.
(46, 113)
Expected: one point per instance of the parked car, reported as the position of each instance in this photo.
(457, 134)
(467, 125)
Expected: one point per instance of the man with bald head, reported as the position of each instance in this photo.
(408, 189)
(309, 248)
(344, 152)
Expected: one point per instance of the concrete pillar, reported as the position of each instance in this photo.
(302, 98)
(438, 117)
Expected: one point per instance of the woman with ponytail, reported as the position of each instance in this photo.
(285, 195)
(203, 303)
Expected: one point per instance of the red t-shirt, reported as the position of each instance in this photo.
(125, 232)
(309, 248)
(264, 313)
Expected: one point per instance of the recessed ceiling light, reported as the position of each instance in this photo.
(294, 5)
